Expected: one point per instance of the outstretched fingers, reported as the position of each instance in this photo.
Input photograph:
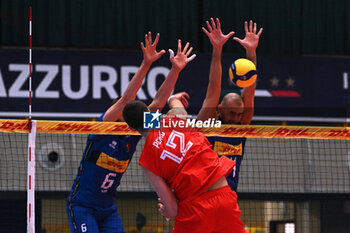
(161, 52)
(149, 41)
(230, 34)
(156, 40)
(246, 27)
(186, 47)
(181, 58)
(144, 45)
(213, 23)
(179, 46)
(149, 49)
(237, 39)
(209, 27)
(188, 52)
(218, 25)
(254, 28)
(205, 31)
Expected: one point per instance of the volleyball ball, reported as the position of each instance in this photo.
(243, 72)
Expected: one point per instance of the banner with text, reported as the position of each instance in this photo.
(82, 84)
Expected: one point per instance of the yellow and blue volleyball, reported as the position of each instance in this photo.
(243, 72)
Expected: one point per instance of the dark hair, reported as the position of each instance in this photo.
(133, 114)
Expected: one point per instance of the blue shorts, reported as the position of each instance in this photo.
(94, 220)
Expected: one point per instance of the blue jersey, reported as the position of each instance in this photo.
(233, 148)
(105, 159)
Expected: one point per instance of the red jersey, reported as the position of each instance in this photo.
(183, 157)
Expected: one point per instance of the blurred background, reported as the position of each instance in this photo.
(291, 28)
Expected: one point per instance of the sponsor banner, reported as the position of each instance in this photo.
(80, 127)
(68, 127)
(112, 164)
(342, 133)
(14, 126)
(121, 128)
(226, 149)
(81, 84)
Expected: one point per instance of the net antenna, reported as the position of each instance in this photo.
(31, 145)
(30, 65)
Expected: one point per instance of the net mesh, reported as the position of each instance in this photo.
(286, 184)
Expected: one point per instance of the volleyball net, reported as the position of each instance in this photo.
(290, 177)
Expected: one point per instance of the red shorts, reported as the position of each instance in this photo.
(213, 211)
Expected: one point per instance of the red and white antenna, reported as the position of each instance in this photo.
(30, 64)
(31, 145)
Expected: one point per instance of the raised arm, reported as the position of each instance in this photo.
(150, 55)
(217, 39)
(179, 62)
(250, 43)
(169, 206)
(251, 40)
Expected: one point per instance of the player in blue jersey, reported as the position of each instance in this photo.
(90, 204)
(234, 108)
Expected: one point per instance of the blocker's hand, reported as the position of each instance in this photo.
(251, 40)
(149, 50)
(182, 97)
(161, 208)
(216, 37)
(181, 59)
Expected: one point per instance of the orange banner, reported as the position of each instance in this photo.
(120, 128)
(17, 126)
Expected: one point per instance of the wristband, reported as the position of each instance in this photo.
(172, 96)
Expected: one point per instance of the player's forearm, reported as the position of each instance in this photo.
(136, 81)
(169, 201)
(164, 193)
(248, 94)
(115, 111)
(165, 90)
(214, 87)
(170, 214)
(251, 55)
(212, 97)
(248, 100)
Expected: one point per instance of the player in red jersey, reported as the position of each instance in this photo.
(188, 176)
(234, 108)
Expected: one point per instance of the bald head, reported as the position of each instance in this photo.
(232, 99)
(231, 109)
